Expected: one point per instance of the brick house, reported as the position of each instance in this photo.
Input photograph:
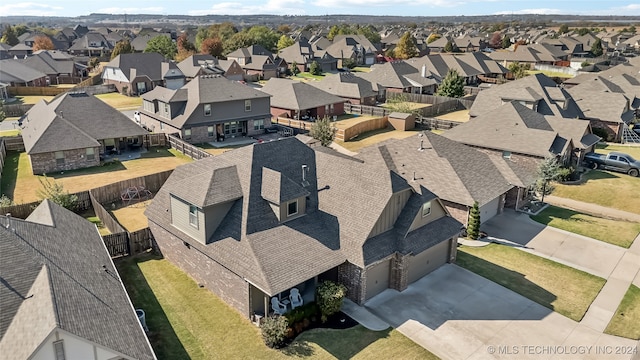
(250, 226)
(205, 64)
(138, 73)
(299, 100)
(258, 62)
(73, 131)
(209, 108)
(353, 89)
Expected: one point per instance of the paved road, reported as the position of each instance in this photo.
(457, 314)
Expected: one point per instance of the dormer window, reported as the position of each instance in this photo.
(193, 216)
(426, 209)
(292, 208)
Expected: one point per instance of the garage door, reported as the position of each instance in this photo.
(428, 260)
(378, 278)
(489, 210)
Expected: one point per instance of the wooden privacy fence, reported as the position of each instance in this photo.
(112, 224)
(92, 80)
(35, 90)
(184, 147)
(362, 127)
(3, 155)
(366, 110)
(154, 139)
(439, 104)
(128, 243)
(111, 193)
(436, 124)
(14, 143)
(15, 110)
(22, 211)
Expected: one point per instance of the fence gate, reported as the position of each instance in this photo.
(117, 244)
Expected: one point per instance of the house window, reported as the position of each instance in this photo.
(58, 350)
(292, 208)
(247, 105)
(161, 126)
(193, 216)
(142, 87)
(187, 134)
(210, 131)
(59, 157)
(91, 155)
(258, 124)
(207, 109)
(426, 209)
(167, 110)
(506, 154)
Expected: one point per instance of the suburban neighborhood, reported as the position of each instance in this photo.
(321, 187)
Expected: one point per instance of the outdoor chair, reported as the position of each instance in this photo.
(295, 298)
(278, 307)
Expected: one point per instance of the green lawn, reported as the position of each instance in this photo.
(626, 321)
(549, 73)
(634, 151)
(361, 69)
(188, 322)
(101, 228)
(32, 99)
(616, 232)
(307, 76)
(610, 189)
(121, 102)
(561, 288)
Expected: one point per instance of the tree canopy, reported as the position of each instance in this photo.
(284, 41)
(406, 47)
(42, 42)
(323, 131)
(452, 85)
(518, 70)
(212, 47)
(596, 48)
(122, 47)
(162, 45)
(9, 36)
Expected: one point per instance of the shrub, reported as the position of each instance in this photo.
(5, 201)
(329, 296)
(274, 331)
(473, 227)
(348, 63)
(55, 192)
(125, 90)
(601, 133)
(306, 311)
(564, 174)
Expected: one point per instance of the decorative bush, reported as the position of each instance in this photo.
(306, 311)
(473, 227)
(564, 174)
(329, 296)
(274, 331)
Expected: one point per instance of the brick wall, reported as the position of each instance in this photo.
(73, 159)
(353, 278)
(399, 272)
(230, 287)
(457, 211)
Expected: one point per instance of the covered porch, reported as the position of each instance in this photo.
(116, 146)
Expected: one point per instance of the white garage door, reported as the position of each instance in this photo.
(489, 210)
(378, 278)
(428, 260)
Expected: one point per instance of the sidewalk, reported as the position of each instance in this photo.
(592, 209)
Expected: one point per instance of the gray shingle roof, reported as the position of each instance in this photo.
(73, 121)
(346, 85)
(397, 75)
(296, 95)
(278, 188)
(140, 64)
(46, 285)
(217, 186)
(14, 71)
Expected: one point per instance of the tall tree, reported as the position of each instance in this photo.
(122, 47)
(323, 131)
(238, 41)
(314, 68)
(264, 36)
(506, 42)
(285, 41)
(596, 48)
(42, 42)
(563, 29)
(9, 36)
(473, 225)
(518, 70)
(284, 29)
(452, 85)
(162, 45)
(496, 40)
(406, 47)
(371, 33)
(548, 171)
(433, 37)
(212, 46)
(448, 47)
(184, 44)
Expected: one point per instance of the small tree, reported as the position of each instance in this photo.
(55, 192)
(433, 37)
(406, 47)
(448, 47)
(212, 46)
(274, 331)
(518, 70)
(548, 171)
(3, 114)
(94, 62)
(452, 85)
(473, 226)
(563, 29)
(9, 36)
(496, 40)
(162, 45)
(284, 41)
(294, 68)
(348, 63)
(314, 68)
(506, 42)
(122, 47)
(596, 48)
(323, 131)
(330, 295)
(42, 42)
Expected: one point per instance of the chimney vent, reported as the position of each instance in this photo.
(414, 176)
(305, 171)
(424, 71)
(421, 145)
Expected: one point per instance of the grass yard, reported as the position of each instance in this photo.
(374, 137)
(132, 217)
(409, 105)
(459, 116)
(626, 321)
(215, 150)
(32, 99)
(10, 133)
(101, 228)
(306, 76)
(610, 189)
(188, 322)
(561, 288)
(549, 73)
(616, 232)
(21, 185)
(361, 69)
(634, 151)
(121, 102)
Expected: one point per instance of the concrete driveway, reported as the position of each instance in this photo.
(593, 256)
(457, 314)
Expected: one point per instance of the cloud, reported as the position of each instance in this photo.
(29, 9)
(132, 10)
(541, 11)
(284, 7)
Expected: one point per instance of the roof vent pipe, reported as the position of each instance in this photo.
(421, 145)
(424, 71)
(305, 169)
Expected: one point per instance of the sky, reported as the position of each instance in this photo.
(319, 7)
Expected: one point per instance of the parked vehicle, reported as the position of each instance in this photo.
(614, 161)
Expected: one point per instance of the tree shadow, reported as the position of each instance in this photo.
(162, 337)
(341, 344)
(10, 173)
(552, 212)
(104, 168)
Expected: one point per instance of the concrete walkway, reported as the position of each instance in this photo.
(592, 209)
(626, 272)
(363, 316)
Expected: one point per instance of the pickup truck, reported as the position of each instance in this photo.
(614, 161)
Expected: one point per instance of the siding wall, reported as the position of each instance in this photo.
(180, 220)
(391, 212)
(437, 211)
